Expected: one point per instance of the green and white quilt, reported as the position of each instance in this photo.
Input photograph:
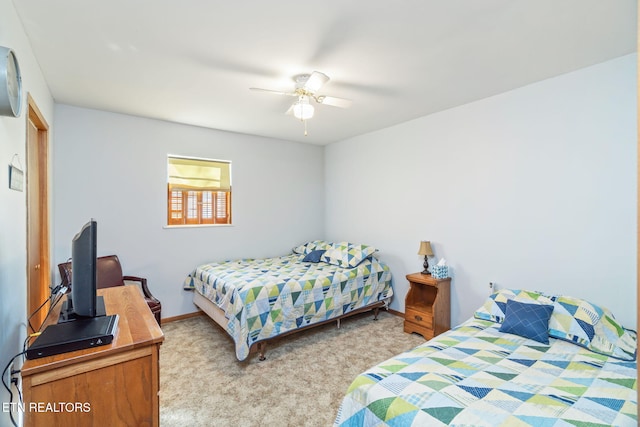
(475, 375)
(263, 298)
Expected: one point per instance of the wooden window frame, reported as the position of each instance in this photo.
(180, 201)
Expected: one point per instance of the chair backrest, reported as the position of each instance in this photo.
(109, 272)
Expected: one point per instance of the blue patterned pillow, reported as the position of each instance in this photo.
(308, 247)
(347, 255)
(314, 256)
(495, 307)
(529, 320)
(592, 327)
(574, 320)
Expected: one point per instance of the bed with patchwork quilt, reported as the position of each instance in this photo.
(524, 359)
(255, 300)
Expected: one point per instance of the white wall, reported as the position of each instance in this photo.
(534, 188)
(112, 167)
(13, 213)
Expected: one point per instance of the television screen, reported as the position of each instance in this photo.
(83, 270)
(82, 301)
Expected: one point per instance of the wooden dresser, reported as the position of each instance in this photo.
(427, 308)
(110, 385)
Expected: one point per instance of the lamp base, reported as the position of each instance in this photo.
(426, 265)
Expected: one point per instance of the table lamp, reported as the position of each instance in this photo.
(425, 249)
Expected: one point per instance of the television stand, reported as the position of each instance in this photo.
(117, 384)
(68, 315)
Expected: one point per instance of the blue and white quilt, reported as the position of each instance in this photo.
(475, 375)
(263, 298)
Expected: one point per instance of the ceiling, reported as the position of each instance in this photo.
(193, 61)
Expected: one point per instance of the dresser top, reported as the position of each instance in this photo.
(137, 327)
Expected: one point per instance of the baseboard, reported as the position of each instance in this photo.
(394, 312)
(182, 316)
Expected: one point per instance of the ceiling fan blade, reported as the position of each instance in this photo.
(275, 92)
(315, 81)
(289, 112)
(333, 101)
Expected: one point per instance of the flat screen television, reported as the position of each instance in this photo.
(82, 301)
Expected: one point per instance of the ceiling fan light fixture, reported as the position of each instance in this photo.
(302, 110)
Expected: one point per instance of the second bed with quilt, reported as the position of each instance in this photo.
(258, 299)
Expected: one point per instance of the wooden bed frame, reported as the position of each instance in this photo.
(217, 315)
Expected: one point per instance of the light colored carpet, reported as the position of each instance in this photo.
(301, 383)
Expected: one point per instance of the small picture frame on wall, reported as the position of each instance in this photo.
(16, 178)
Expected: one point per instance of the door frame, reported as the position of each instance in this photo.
(37, 293)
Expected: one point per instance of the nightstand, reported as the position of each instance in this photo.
(427, 308)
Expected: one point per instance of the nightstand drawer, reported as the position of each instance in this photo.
(418, 317)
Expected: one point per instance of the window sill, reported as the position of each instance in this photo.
(196, 226)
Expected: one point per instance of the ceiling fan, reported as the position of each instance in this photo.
(307, 87)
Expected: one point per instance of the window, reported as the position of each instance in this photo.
(198, 191)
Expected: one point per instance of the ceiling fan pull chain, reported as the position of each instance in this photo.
(305, 127)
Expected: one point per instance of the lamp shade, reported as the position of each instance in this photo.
(425, 249)
(302, 109)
